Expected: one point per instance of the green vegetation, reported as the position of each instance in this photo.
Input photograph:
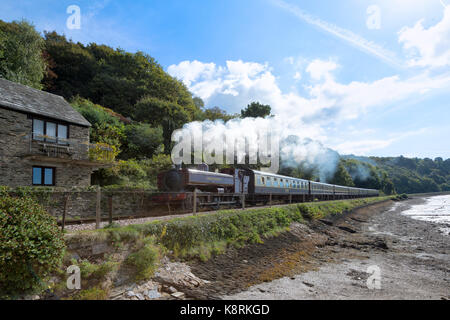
(205, 235)
(403, 175)
(95, 271)
(256, 110)
(31, 244)
(146, 259)
(21, 54)
(94, 293)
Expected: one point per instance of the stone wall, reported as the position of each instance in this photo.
(15, 146)
(82, 204)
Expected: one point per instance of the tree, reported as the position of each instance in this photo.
(216, 113)
(198, 102)
(342, 177)
(106, 125)
(21, 58)
(256, 110)
(111, 77)
(142, 141)
(170, 116)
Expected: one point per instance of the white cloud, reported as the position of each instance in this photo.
(319, 69)
(326, 102)
(428, 47)
(297, 76)
(362, 147)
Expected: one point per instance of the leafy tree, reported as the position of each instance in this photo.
(142, 141)
(342, 177)
(21, 58)
(107, 126)
(216, 113)
(111, 77)
(170, 116)
(256, 110)
(198, 102)
(155, 165)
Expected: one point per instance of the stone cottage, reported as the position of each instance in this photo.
(43, 140)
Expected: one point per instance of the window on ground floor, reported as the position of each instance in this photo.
(43, 176)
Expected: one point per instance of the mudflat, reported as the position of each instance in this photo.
(335, 257)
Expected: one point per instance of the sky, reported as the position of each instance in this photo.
(362, 77)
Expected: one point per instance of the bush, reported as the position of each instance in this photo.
(94, 293)
(31, 244)
(145, 260)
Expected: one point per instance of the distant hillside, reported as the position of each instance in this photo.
(407, 175)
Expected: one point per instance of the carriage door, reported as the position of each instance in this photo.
(245, 185)
(237, 181)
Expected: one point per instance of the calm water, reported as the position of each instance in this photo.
(436, 209)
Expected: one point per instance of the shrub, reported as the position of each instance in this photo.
(94, 293)
(31, 244)
(145, 260)
(95, 271)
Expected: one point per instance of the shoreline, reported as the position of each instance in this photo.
(414, 262)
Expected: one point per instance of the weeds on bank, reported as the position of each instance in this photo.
(146, 259)
(206, 235)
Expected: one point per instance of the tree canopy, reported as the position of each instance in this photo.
(256, 110)
(21, 55)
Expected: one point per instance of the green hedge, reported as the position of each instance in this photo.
(31, 244)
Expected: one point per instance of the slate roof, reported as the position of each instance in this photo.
(25, 99)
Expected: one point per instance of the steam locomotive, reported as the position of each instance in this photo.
(255, 186)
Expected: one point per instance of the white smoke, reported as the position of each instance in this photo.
(295, 147)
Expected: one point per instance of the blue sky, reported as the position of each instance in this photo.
(327, 68)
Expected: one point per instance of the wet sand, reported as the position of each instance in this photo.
(413, 258)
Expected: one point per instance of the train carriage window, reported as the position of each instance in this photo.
(263, 181)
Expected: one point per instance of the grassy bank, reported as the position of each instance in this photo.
(204, 235)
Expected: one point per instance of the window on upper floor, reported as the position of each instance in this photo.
(50, 131)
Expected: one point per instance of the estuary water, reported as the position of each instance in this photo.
(435, 209)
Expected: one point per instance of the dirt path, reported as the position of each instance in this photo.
(329, 260)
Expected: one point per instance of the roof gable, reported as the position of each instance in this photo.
(22, 98)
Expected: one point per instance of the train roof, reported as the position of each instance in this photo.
(277, 175)
(314, 182)
(210, 173)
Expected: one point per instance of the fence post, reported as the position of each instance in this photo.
(243, 201)
(66, 205)
(110, 200)
(270, 200)
(97, 208)
(290, 198)
(194, 205)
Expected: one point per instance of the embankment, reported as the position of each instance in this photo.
(202, 241)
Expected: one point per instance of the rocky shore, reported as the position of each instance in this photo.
(412, 257)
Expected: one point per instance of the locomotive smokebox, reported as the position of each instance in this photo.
(171, 181)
